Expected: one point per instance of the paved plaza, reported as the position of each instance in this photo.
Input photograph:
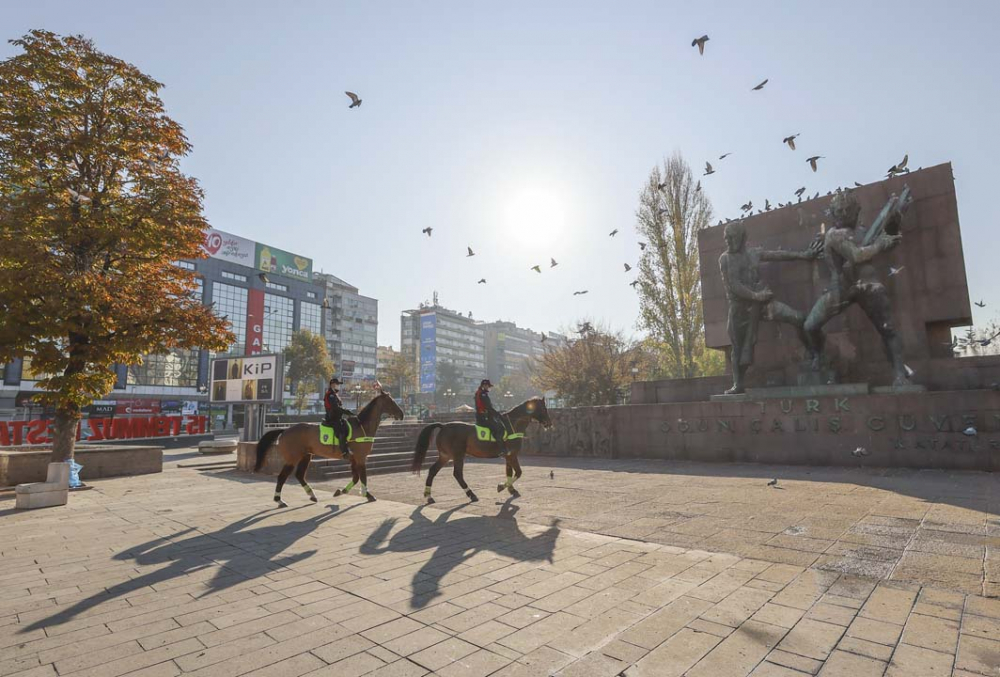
(587, 573)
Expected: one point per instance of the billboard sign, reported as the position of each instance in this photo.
(228, 247)
(273, 260)
(246, 380)
(144, 407)
(428, 352)
(347, 368)
(255, 322)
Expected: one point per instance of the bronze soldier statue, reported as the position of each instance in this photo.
(843, 257)
(750, 301)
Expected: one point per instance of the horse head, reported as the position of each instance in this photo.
(536, 410)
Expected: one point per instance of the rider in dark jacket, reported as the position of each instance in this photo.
(487, 416)
(335, 413)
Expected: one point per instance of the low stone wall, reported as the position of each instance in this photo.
(29, 464)
(246, 456)
(912, 430)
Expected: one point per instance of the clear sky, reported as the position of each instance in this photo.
(526, 129)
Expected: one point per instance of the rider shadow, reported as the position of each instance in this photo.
(239, 552)
(456, 542)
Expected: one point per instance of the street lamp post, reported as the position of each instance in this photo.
(508, 396)
(357, 395)
(449, 397)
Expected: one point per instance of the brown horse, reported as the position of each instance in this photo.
(300, 442)
(457, 440)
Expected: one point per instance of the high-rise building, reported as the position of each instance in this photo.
(350, 328)
(511, 352)
(444, 343)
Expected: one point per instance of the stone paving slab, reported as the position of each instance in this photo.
(195, 573)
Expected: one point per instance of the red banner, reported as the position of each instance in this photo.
(255, 322)
(124, 407)
(40, 431)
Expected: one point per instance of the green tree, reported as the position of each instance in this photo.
(447, 378)
(93, 211)
(594, 369)
(398, 375)
(672, 209)
(308, 364)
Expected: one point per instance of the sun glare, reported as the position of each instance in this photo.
(536, 216)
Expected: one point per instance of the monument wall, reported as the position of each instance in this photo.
(911, 430)
(929, 294)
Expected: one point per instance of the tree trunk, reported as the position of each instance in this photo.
(64, 433)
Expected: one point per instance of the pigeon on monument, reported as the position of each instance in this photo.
(895, 271)
(748, 207)
(471, 253)
(970, 431)
(790, 140)
(355, 101)
(812, 161)
(760, 86)
(701, 43)
(857, 185)
(708, 169)
(909, 371)
(767, 205)
(860, 451)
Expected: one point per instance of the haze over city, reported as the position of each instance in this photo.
(526, 131)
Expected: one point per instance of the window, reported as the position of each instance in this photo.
(233, 276)
(310, 317)
(179, 367)
(231, 302)
(199, 289)
(186, 265)
(279, 315)
(275, 285)
(311, 294)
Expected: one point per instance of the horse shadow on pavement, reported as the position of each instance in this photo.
(243, 550)
(455, 541)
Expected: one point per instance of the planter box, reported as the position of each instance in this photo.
(30, 464)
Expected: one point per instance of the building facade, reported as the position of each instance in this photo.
(444, 344)
(350, 328)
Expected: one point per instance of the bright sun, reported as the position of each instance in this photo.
(535, 216)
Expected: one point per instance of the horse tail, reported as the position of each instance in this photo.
(263, 445)
(423, 442)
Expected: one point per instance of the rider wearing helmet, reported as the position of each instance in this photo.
(488, 417)
(335, 413)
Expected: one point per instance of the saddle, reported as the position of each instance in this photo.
(483, 434)
(328, 436)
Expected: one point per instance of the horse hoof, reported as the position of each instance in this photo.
(430, 501)
(371, 498)
(282, 504)
(514, 492)
(314, 499)
(500, 487)
(473, 498)
(338, 492)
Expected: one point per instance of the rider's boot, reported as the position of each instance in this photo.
(346, 450)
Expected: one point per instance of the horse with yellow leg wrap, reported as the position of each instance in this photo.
(456, 440)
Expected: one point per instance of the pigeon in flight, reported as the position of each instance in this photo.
(708, 169)
(427, 231)
(633, 283)
(895, 271)
(580, 293)
(642, 246)
(724, 156)
(697, 187)
(537, 269)
(355, 101)
(790, 140)
(980, 304)
(748, 207)
(627, 267)
(613, 232)
(799, 192)
(661, 186)
(812, 161)
(482, 281)
(471, 253)
(767, 205)
(552, 262)
(760, 86)
(701, 43)
(901, 167)
(544, 338)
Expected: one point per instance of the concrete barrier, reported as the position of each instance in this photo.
(30, 464)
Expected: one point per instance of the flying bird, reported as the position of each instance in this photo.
(799, 192)
(544, 338)
(537, 269)
(760, 86)
(900, 167)
(613, 232)
(697, 187)
(812, 161)
(471, 253)
(790, 140)
(552, 262)
(482, 281)
(980, 304)
(767, 205)
(580, 293)
(701, 43)
(708, 169)
(895, 271)
(748, 206)
(627, 267)
(427, 231)
(724, 156)
(642, 246)
(355, 101)
(661, 186)
(633, 283)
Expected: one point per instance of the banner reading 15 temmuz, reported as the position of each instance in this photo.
(241, 380)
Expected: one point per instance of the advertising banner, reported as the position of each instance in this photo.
(131, 407)
(228, 247)
(347, 368)
(244, 380)
(273, 260)
(255, 322)
(428, 353)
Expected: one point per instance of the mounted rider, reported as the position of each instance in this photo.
(488, 417)
(335, 412)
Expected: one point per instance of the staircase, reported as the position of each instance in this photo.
(392, 452)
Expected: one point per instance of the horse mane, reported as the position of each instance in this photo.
(522, 409)
(366, 410)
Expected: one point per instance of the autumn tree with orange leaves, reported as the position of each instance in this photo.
(94, 210)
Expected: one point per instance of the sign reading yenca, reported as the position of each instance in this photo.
(254, 379)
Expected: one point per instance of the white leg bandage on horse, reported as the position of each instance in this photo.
(364, 490)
